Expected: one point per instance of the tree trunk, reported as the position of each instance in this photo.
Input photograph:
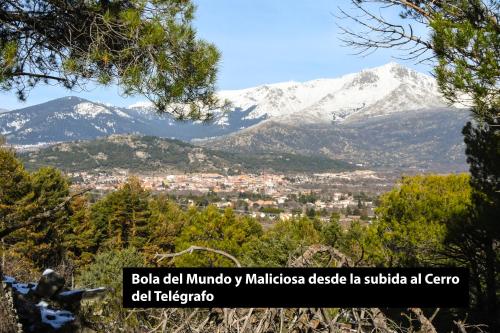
(491, 288)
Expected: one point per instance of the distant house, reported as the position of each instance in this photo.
(225, 204)
(286, 216)
(320, 204)
(281, 200)
(263, 203)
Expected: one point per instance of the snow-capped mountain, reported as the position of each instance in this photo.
(372, 92)
(389, 117)
(73, 118)
(384, 90)
(381, 90)
(63, 119)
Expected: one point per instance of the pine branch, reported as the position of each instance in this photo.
(39, 76)
(46, 214)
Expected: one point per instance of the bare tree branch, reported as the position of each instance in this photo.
(379, 33)
(427, 326)
(193, 248)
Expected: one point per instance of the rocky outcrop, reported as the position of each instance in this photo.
(8, 316)
(47, 306)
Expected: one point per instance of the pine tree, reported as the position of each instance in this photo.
(26, 197)
(121, 218)
(42, 243)
(413, 219)
(210, 228)
(332, 232)
(79, 237)
(15, 187)
(146, 47)
(464, 47)
(481, 229)
(166, 223)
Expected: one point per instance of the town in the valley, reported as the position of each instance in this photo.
(266, 196)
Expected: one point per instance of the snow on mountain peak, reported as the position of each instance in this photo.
(141, 105)
(339, 98)
(374, 91)
(370, 92)
(90, 110)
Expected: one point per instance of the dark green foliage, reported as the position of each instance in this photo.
(271, 210)
(311, 213)
(147, 48)
(413, 219)
(106, 270)
(483, 156)
(121, 218)
(281, 243)
(355, 243)
(24, 195)
(43, 242)
(307, 197)
(222, 231)
(474, 242)
(332, 232)
(466, 41)
(15, 186)
(166, 223)
(79, 239)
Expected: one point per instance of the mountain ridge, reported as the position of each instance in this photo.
(372, 92)
(427, 140)
(148, 154)
(338, 98)
(384, 117)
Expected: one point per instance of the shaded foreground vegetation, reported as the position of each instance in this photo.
(419, 223)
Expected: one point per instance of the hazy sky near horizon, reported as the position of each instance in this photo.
(262, 41)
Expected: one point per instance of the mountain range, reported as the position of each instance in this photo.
(385, 117)
(73, 118)
(425, 140)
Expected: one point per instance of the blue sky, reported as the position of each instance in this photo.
(262, 41)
